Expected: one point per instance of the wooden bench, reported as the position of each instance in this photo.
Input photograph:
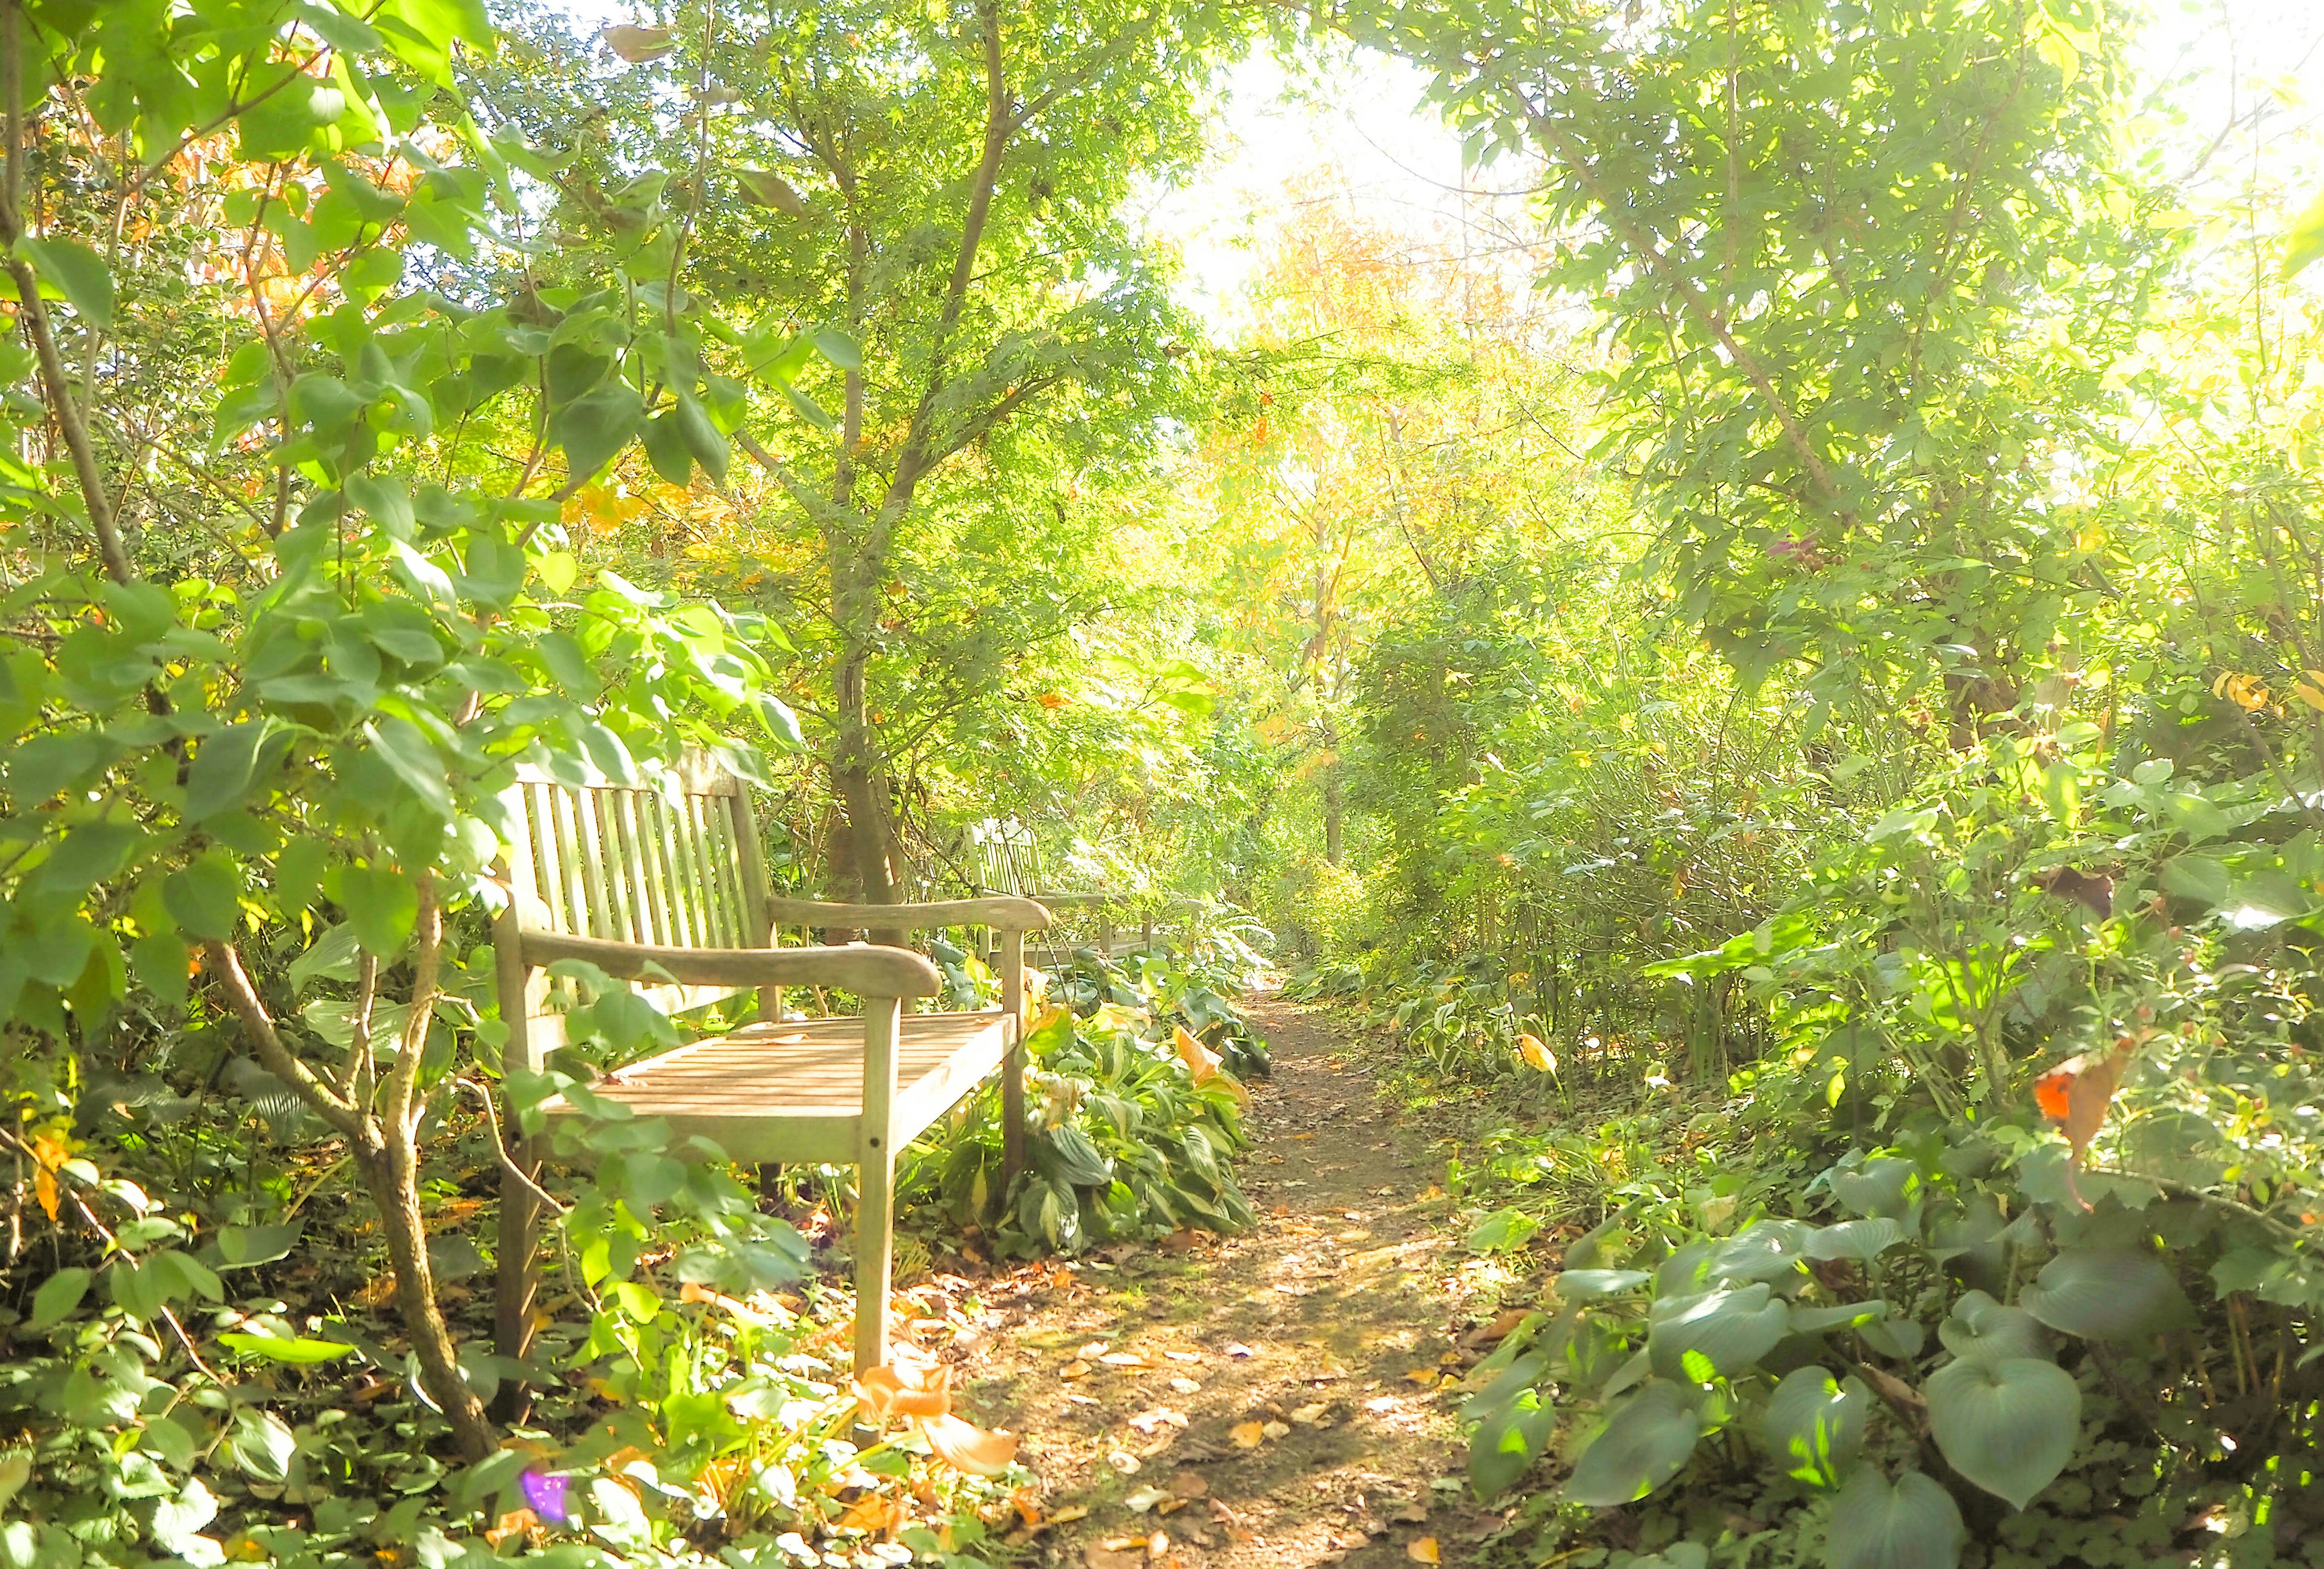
(668, 887)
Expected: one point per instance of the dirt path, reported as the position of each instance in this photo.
(1142, 1373)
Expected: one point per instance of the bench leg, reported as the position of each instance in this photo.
(516, 1281)
(875, 1185)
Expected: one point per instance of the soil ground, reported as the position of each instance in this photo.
(1285, 1393)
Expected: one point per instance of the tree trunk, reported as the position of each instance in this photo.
(1334, 813)
(391, 1172)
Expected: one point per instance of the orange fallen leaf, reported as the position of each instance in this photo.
(872, 1512)
(891, 1390)
(1076, 1368)
(516, 1523)
(1424, 1377)
(1422, 1550)
(1247, 1435)
(964, 1446)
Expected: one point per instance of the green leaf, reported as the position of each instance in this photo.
(242, 1246)
(299, 1350)
(1840, 1316)
(205, 898)
(1862, 1240)
(1583, 1285)
(77, 270)
(2008, 1425)
(1715, 1334)
(1503, 1231)
(703, 439)
(1882, 1185)
(2304, 241)
(1766, 1249)
(2106, 1294)
(838, 347)
(1646, 1441)
(1508, 1440)
(405, 747)
(1814, 1425)
(1980, 1327)
(381, 904)
(594, 428)
(228, 765)
(1913, 1525)
(58, 1295)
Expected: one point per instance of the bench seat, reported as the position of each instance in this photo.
(793, 1093)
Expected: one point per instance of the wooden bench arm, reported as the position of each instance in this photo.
(1003, 912)
(860, 968)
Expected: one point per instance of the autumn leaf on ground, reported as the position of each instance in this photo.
(1247, 1435)
(1423, 1550)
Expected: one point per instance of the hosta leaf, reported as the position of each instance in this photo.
(1840, 1316)
(1862, 1241)
(2008, 1426)
(1814, 1425)
(1647, 1441)
(1582, 1284)
(1766, 1249)
(1913, 1523)
(2106, 1294)
(1508, 1442)
(1882, 1185)
(1978, 1327)
(1715, 1332)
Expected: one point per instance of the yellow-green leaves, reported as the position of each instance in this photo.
(79, 273)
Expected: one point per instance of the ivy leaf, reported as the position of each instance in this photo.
(2107, 1293)
(2007, 1424)
(1647, 1441)
(1814, 1425)
(77, 270)
(1912, 1525)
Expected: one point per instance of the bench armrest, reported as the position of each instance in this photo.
(1003, 912)
(860, 968)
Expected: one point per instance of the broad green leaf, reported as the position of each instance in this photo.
(2304, 241)
(1862, 1240)
(242, 1246)
(594, 428)
(228, 765)
(1647, 1441)
(838, 348)
(205, 897)
(381, 904)
(1881, 1184)
(1981, 1327)
(58, 1296)
(1583, 1285)
(1814, 1425)
(1766, 1249)
(300, 1350)
(1509, 1439)
(1913, 1523)
(1503, 1231)
(1839, 1315)
(2106, 1294)
(2007, 1424)
(405, 747)
(77, 271)
(1715, 1334)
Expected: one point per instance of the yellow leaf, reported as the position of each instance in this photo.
(1424, 1377)
(2308, 694)
(1247, 1435)
(1422, 1550)
(1536, 1055)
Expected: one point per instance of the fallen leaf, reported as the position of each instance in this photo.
(1310, 1416)
(1076, 1369)
(1411, 1512)
(1424, 1377)
(516, 1523)
(1069, 1514)
(1247, 1435)
(1422, 1550)
(1124, 1359)
(1156, 1545)
(1184, 1387)
(964, 1446)
(1096, 1348)
(872, 1512)
(1184, 1356)
(1146, 1497)
(1122, 1461)
(1189, 1485)
(1097, 1556)
(1235, 1348)
(1275, 1429)
(1498, 1330)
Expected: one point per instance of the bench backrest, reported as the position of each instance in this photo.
(675, 865)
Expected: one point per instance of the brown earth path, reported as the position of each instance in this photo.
(1128, 1375)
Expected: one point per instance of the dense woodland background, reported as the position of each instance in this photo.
(1787, 690)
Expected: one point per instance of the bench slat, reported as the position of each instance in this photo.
(795, 1091)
